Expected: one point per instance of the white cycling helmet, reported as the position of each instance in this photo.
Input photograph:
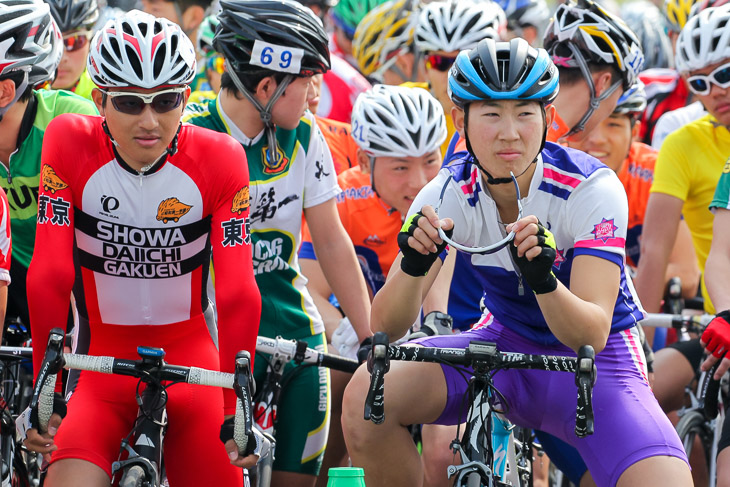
(141, 51)
(395, 121)
(27, 34)
(45, 69)
(704, 40)
(455, 25)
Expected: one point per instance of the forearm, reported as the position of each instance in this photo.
(651, 275)
(398, 303)
(574, 321)
(437, 298)
(717, 280)
(342, 271)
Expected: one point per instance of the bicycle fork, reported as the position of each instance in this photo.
(146, 451)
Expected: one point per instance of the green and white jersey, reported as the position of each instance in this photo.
(20, 176)
(303, 177)
(722, 192)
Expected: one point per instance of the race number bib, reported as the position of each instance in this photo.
(277, 58)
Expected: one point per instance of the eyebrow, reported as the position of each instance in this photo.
(521, 103)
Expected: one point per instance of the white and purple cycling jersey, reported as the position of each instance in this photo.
(576, 197)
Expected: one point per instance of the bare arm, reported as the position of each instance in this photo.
(437, 298)
(683, 262)
(657, 239)
(717, 270)
(582, 314)
(320, 290)
(339, 264)
(397, 305)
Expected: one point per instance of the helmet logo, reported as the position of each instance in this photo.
(277, 58)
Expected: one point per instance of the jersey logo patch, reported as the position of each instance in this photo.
(373, 240)
(726, 169)
(171, 209)
(241, 201)
(559, 258)
(51, 181)
(604, 230)
(277, 166)
(59, 210)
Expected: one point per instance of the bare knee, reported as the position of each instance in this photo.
(672, 372)
(658, 471)
(72, 472)
(354, 426)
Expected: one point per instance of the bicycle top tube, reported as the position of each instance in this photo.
(489, 249)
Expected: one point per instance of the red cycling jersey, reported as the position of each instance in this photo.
(5, 242)
(340, 87)
(142, 242)
(665, 91)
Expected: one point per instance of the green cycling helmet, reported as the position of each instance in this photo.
(348, 13)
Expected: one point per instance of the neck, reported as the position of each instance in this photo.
(244, 115)
(505, 195)
(9, 130)
(571, 103)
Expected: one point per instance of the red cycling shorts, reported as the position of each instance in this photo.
(103, 409)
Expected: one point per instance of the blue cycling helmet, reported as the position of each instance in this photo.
(503, 71)
(633, 101)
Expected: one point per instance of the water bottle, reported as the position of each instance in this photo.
(346, 477)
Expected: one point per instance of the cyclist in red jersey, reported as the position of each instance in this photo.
(133, 200)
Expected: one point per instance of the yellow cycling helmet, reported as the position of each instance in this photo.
(383, 34)
(676, 13)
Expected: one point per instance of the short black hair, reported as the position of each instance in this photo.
(571, 76)
(17, 78)
(186, 4)
(250, 82)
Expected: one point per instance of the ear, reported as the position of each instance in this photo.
(636, 130)
(363, 160)
(97, 96)
(457, 115)
(193, 17)
(601, 81)
(7, 92)
(550, 112)
(186, 96)
(265, 89)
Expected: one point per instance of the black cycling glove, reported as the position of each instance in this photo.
(413, 262)
(538, 272)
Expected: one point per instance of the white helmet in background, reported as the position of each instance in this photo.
(137, 50)
(455, 25)
(396, 121)
(704, 40)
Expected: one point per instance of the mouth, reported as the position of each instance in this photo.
(147, 141)
(509, 155)
(722, 108)
(600, 155)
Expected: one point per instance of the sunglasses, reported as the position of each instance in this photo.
(133, 104)
(77, 40)
(700, 83)
(489, 249)
(439, 63)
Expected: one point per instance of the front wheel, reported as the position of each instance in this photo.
(133, 477)
(696, 437)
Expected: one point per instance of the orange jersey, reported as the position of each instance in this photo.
(637, 174)
(371, 225)
(341, 144)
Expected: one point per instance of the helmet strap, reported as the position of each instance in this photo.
(595, 101)
(265, 111)
(18, 93)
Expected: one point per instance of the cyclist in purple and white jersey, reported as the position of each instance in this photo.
(559, 284)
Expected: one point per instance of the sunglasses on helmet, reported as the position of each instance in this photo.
(75, 41)
(439, 63)
(700, 83)
(134, 103)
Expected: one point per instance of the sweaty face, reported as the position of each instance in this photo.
(292, 104)
(399, 179)
(505, 135)
(141, 138)
(609, 142)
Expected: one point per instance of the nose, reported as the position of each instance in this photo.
(311, 90)
(148, 118)
(419, 177)
(509, 128)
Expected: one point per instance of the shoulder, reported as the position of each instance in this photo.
(206, 142)
(332, 127)
(52, 103)
(76, 126)
(570, 162)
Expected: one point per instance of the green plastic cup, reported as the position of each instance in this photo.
(346, 477)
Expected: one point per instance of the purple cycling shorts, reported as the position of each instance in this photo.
(629, 424)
